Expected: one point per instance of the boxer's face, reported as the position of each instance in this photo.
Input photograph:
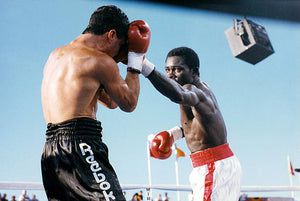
(114, 42)
(177, 70)
(119, 43)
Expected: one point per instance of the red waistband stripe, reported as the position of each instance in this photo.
(211, 155)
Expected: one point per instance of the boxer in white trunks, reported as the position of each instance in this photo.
(217, 172)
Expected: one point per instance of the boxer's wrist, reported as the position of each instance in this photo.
(176, 132)
(147, 67)
(135, 62)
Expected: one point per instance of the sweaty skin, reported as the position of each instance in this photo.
(82, 73)
(200, 115)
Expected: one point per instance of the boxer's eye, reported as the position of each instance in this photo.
(168, 70)
(178, 69)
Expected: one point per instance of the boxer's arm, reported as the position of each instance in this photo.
(122, 92)
(125, 92)
(174, 91)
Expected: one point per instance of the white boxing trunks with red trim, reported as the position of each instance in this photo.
(216, 175)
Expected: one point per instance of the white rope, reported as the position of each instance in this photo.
(21, 185)
(269, 188)
(39, 186)
(157, 187)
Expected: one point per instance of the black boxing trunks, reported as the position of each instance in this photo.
(75, 165)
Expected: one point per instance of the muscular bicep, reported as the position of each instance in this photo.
(116, 87)
(171, 89)
(191, 95)
(122, 92)
(125, 92)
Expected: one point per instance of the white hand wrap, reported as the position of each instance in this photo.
(135, 61)
(147, 67)
(176, 132)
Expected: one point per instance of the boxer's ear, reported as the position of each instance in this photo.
(195, 71)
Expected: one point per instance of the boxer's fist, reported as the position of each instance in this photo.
(161, 146)
(139, 35)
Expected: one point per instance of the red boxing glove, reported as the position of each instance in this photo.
(161, 146)
(139, 35)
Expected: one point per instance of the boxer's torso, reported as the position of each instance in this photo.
(203, 123)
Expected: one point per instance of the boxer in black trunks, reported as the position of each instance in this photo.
(80, 162)
(75, 163)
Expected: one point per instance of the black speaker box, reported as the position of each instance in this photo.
(249, 41)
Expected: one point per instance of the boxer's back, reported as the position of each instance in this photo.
(68, 89)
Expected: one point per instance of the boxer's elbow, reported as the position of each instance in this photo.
(109, 104)
(129, 104)
(128, 108)
(112, 106)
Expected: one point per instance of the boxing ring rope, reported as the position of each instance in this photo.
(39, 186)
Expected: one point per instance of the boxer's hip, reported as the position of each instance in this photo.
(73, 127)
(211, 155)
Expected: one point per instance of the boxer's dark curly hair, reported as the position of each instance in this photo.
(189, 56)
(106, 18)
